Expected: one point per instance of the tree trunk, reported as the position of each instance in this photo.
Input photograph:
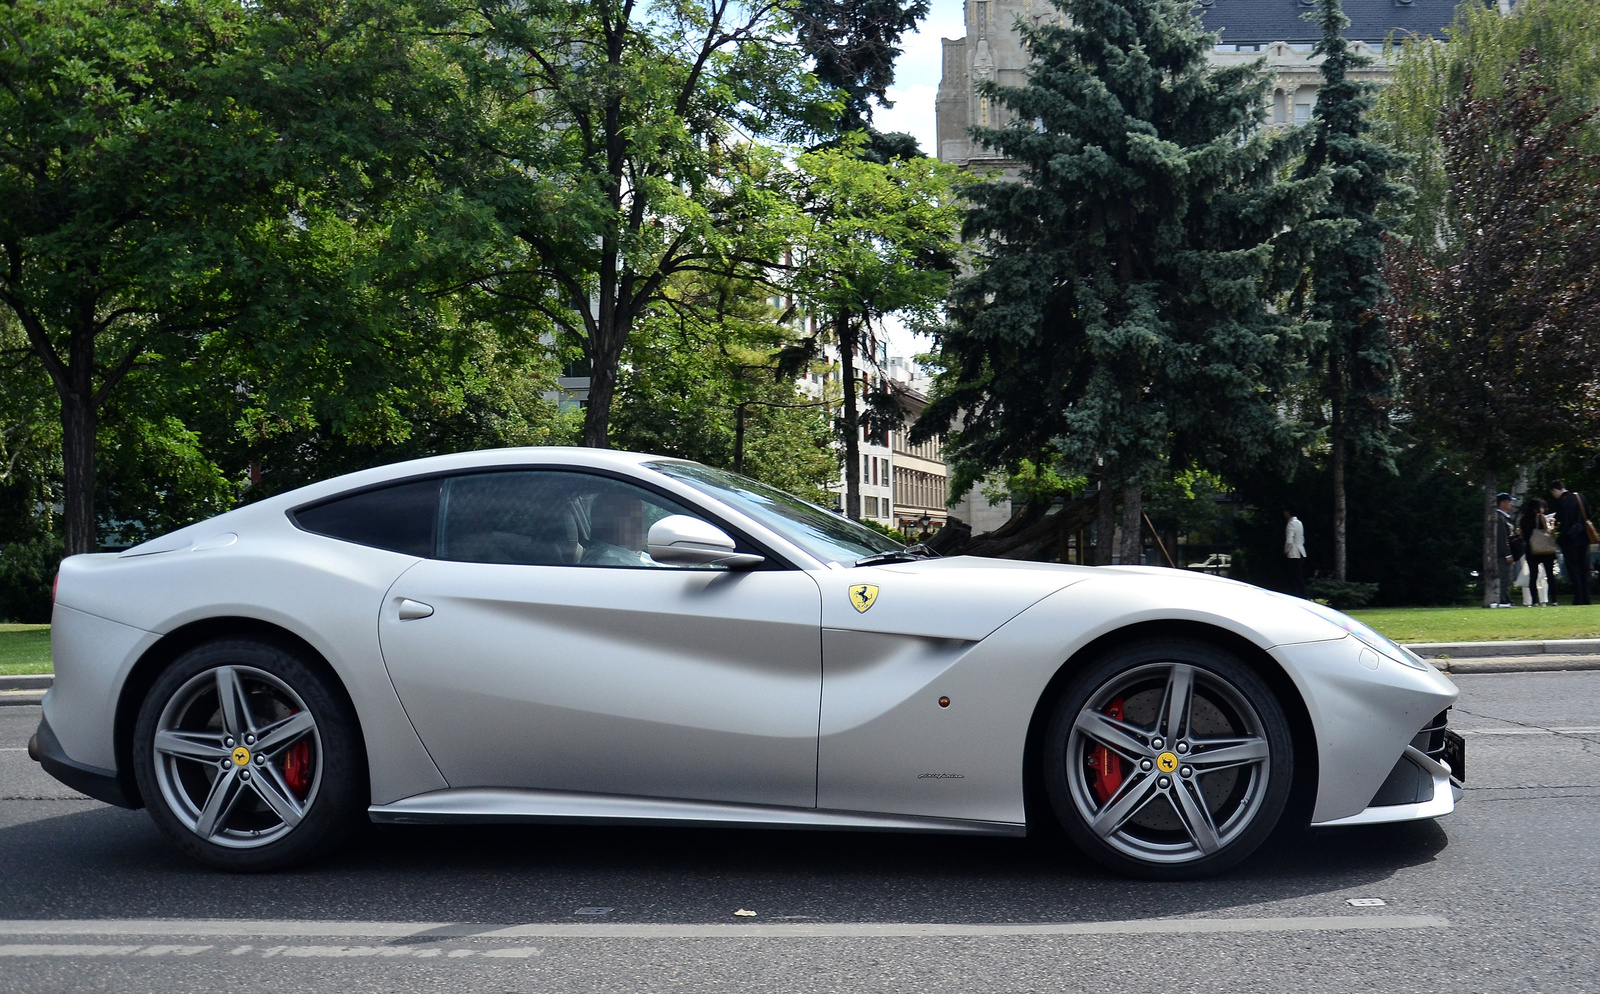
(1132, 526)
(1336, 438)
(852, 418)
(1105, 522)
(77, 455)
(1490, 570)
(738, 438)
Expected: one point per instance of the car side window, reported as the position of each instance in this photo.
(548, 518)
(400, 518)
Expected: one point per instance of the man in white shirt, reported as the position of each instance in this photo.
(1294, 550)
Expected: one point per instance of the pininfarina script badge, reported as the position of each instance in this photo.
(863, 596)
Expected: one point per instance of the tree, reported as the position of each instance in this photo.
(705, 382)
(1118, 317)
(1342, 287)
(1484, 43)
(854, 44)
(617, 151)
(125, 211)
(879, 239)
(1496, 337)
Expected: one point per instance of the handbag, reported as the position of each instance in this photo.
(1588, 525)
(1541, 543)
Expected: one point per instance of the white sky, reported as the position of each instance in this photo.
(916, 83)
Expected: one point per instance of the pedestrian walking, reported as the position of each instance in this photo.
(1294, 551)
(1574, 532)
(1539, 556)
(1504, 559)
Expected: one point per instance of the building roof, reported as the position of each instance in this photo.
(1251, 21)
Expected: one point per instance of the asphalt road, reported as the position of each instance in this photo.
(1501, 896)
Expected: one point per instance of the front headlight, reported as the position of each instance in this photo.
(1381, 644)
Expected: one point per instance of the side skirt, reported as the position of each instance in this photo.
(483, 804)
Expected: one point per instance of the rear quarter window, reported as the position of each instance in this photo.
(399, 518)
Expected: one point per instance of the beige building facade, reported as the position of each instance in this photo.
(1249, 30)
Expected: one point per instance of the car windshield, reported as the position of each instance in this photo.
(828, 536)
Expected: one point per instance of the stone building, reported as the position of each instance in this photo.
(1249, 30)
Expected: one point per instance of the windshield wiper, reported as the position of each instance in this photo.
(909, 554)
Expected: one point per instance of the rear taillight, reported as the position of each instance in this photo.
(53, 585)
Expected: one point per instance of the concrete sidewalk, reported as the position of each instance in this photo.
(1511, 657)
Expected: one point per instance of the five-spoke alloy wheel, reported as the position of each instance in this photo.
(246, 757)
(1168, 759)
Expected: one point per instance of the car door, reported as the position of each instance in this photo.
(542, 648)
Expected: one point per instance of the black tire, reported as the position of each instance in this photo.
(280, 805)
(1165, 811)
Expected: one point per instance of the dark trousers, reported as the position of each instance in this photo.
(1297, 576)
(1575, 561)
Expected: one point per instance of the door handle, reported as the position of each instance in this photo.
(411, 610)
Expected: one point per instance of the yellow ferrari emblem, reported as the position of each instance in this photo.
(1166, 762)
(863, 596)
(241, 756)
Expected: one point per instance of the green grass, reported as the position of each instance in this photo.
(24, 649)
(1476, 624)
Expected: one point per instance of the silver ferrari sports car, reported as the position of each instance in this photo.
(576, 635)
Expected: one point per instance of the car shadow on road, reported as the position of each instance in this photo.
(105, 862)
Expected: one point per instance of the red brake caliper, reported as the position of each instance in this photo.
(297, 767)
(1105, 766)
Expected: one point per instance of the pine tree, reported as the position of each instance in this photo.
(1118, 320)
(1342, 287)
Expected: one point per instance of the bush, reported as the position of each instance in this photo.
(27, 572)
(1344, 595)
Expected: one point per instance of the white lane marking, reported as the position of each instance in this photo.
(43, 950)
(13, 748)
(292, 952)
(730, 930)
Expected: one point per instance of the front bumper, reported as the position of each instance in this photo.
(1420, 786)
(102, 785)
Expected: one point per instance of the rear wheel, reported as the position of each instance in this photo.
(247, 758)
(1168, 759)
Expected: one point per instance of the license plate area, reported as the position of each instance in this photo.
(1455, 756)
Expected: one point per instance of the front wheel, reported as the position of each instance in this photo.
(1168, 759)
(248, 758)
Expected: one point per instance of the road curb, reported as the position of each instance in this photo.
(1470, 650)
(1517, 664)
(17, 698)
(27, 681)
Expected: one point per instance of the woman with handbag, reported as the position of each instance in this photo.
(1540, 542)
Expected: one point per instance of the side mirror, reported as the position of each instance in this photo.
(680, 540)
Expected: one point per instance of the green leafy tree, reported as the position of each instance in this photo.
(1118, 317)
(617, 152)
(1497, 336)
(705, 381)
(878, 239)
(124, 218)
(1342, 286)
(1483, 43)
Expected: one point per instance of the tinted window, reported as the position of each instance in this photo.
(548, 518)
(398, 518)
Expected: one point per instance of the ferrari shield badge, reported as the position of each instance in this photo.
(863, 596)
